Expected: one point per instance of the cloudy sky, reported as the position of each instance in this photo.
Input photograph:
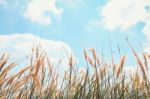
(71, 25)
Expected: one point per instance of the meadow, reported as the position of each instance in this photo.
(108, 80)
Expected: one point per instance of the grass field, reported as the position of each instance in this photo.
(108, 80)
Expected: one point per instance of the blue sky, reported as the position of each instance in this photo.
(79, 23)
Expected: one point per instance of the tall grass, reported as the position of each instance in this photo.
(40, 80)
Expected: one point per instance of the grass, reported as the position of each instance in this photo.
(40, 79)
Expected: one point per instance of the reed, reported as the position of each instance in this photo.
(97, 80)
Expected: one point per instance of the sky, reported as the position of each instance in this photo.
(72, 25)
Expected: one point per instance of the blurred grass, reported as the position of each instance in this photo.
(40, 80)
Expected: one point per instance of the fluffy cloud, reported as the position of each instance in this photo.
(20, 45)
(2, 2)
(124, 13)
(39, 11)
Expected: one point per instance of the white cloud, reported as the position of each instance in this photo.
(124, 13)
(20, 45)
(38, 10)
(3, 2)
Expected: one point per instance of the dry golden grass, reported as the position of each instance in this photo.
(39, 79)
